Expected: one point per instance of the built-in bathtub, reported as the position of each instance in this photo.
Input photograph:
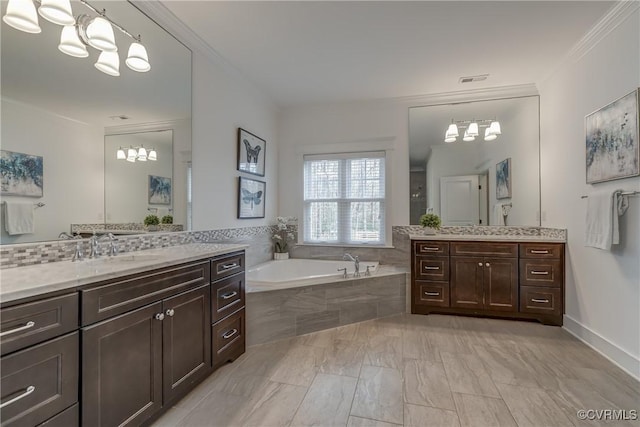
(298, 296)
(293, 273)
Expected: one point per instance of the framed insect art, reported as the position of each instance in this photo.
(251, 153)
(251, 195)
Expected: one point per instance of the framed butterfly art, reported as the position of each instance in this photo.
(251, 153)
(251, 198)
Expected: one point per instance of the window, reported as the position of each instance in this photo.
(344, 198)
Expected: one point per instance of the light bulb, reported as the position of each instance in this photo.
(153, 156)
(473, 129)
(137, 58)
(57, 11)
(21, 15)
(488, 136)
(468, 137)
(142, 154)
(131, 155)
(70, 43)
(120, 154)
(450, 139)
(100, 35)
(109, 63)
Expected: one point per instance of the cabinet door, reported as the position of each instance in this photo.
(186, 344)
(466, 282)
(501, 284)
(122, 369)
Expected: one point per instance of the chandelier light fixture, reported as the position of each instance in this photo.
(79, 32)
(472, 130)
(136, 153)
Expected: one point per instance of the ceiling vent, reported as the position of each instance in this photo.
(119, 117)
(470, 79)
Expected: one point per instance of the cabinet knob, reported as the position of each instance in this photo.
(487, 265)
(170, 312)
(479, 264)
(159, 316)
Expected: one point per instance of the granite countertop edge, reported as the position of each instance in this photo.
(23, 283)
(489, 238)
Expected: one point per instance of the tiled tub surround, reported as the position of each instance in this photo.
(38, 280)
(258, 239)
(284, 313)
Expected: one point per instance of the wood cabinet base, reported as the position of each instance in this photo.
(552, 320)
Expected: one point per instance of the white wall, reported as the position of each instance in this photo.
(603, 287)
(222, 102)
(69, 197)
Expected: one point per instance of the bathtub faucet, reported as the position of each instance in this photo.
(356, 263)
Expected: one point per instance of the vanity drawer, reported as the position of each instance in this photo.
(541, 250)
(539, 272)
(126, 294)
(68, 418)
(432, 268)
(226, 266)
(41, 381)
(540, 300)
(30, 323)
(228, 338)
(227, 296)
(431, 248)
(492, 249)
(431, 293)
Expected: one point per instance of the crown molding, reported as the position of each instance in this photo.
(615, 16)
(44, 110)
(470, 95)
(144, 127)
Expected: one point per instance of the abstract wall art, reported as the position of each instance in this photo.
(22, 174)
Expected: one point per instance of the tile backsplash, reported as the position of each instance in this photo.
(258, 239)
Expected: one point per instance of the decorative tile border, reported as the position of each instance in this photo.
(131, 226)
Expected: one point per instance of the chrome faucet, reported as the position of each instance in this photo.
(356, 262)
(94, 249)
(113, 246)
(78, 254)
(344, 272)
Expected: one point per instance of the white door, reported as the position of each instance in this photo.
(459, 200)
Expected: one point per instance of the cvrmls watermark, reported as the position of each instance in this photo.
(608, 414)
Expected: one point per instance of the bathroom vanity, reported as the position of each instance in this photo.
(500, 276)
(117, 341)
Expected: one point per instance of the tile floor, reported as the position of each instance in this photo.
(414, 371)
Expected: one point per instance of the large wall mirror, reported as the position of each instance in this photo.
(75, 117)
(479, 182)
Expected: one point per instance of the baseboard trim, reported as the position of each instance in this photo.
(616, 355)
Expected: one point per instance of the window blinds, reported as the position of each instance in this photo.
(344, 198)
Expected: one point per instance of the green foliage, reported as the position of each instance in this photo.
(430, 220)
(151, 220)
(167, 219)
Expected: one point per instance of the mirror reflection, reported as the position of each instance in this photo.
(484, 181)
(66, 111)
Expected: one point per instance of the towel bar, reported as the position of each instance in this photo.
(624, 193)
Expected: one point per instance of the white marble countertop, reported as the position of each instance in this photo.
(488, 238)
(24, 282)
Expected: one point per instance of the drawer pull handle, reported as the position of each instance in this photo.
(228, 266)
(542, 301)
(536, 251)
(230, 334)
(170, 312)
(430, 249)
(428, 267)
(30, 324)
(229, 295)
(26, 393)
(544, 273)
(432, 294)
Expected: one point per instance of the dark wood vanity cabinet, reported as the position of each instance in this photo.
(501, 279)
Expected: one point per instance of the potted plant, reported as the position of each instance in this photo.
(167, 219)
(151, 222)
(282, 235)
(431, 223)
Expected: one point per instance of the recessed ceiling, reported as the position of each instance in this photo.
(314, 52)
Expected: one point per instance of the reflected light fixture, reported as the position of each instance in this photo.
(137, 153)
(472, 130)
(21, 15)
(77, 34)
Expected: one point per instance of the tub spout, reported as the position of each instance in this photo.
(356, 263)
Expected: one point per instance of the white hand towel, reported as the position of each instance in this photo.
(602, 218)
(498, 214)
(18, 218)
